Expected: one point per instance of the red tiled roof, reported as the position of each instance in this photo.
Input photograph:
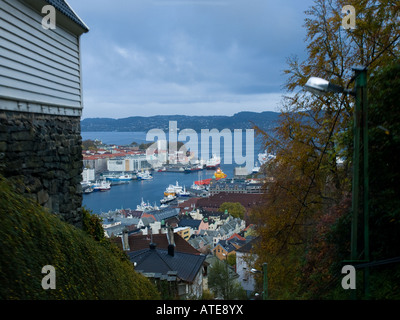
(147, 215)
(248, 227)
(246, 199)
(235, 235)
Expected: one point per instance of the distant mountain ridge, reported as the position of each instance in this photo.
(242, 120)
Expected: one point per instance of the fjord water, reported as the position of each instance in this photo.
(130, 195)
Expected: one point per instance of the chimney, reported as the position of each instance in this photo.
(125, 240)
(171, 241)
(152, 244)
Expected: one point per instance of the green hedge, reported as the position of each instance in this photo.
(31, 238)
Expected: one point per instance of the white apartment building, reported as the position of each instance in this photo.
(88, 175)
(132, 163)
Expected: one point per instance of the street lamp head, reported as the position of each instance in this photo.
(253, 270)
(320, 86)
(317, 86)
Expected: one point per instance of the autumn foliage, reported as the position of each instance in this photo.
(305, 222)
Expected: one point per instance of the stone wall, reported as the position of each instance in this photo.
(43, 155)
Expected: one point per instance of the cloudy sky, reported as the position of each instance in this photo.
(191, 57)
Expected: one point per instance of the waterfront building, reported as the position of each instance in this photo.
(235, 186)
(88, 175)
(128, 164)
(240, 172)
(97, 162)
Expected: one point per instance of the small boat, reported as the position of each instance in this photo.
(145, 207)
(197, 186)
(89, 189)
(144, 175)
(184, 193)
(167, 199)
(256, 169)
(125, 177)
(197, 167)
(101, 186)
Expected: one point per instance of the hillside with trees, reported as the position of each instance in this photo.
(241, 120)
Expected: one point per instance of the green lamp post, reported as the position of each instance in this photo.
(265, 280)
(321, 86)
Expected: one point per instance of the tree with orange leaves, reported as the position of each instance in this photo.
(313, 134)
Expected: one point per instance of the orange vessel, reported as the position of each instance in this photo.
(218, 174)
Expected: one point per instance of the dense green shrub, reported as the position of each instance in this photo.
(31, 238)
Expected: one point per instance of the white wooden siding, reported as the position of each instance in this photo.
(37, 66)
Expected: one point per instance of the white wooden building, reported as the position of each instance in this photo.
(40, 69)
(41, 102)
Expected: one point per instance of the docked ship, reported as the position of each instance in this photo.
(123, 177)
(144, 175)
(256, 168)
(184, 193)
(193, 168)
(167, 199)
(173, 190)
(88, 189)
(213, 163)
(146, 207)
(101, 186)
(218, 175)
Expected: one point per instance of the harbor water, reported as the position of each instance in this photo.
(128, 196)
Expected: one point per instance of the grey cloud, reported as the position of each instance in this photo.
(158, 52)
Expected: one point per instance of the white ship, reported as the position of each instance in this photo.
(265, 157)
(197, 187)
(256, 168)
(101, 186)
(145, 207)
(167, 199)
(183, 193)
(173, 190)
(144, 175)
(123, 177)
(213, 163)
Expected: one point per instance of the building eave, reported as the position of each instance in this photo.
(66, 17)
